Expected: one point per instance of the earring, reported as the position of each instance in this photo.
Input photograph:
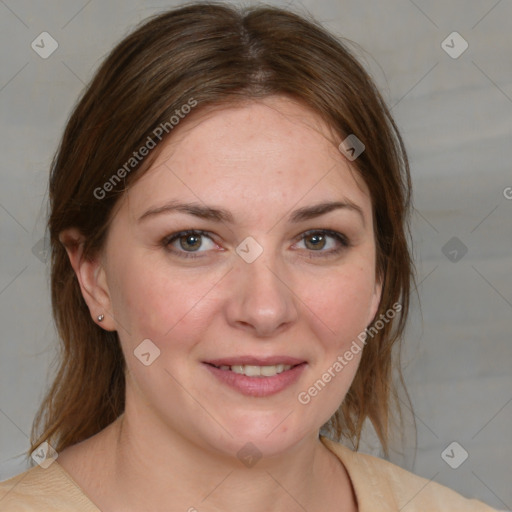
(101, 317)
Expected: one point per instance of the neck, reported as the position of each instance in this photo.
(155, 469)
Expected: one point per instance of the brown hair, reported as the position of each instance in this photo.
(216, 54)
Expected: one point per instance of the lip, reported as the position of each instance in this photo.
(257, 386)
(256, 361)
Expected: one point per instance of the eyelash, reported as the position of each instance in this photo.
(342, 239)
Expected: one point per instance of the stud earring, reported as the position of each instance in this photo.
(101, 317)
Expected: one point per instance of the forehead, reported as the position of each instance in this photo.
(251, 156)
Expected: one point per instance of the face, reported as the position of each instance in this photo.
(256, 275)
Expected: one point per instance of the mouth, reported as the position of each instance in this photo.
(250, 370)
(257, 376)
(257, 366)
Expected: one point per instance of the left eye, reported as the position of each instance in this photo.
(318, 240)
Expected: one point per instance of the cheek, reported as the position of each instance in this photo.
(152, 300)
(339, 304)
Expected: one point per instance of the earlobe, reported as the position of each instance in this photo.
(91, 278)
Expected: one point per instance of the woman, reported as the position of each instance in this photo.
(230, 274)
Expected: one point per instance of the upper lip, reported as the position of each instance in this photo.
(256, 361)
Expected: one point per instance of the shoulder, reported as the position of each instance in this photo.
(381, 485)
(43, 490)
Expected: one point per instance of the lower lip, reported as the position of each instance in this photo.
(258, 386)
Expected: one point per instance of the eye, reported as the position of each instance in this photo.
(186, 242)
(318, 240)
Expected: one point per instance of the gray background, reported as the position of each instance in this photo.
(456, 118)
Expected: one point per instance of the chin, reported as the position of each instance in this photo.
(265, 437)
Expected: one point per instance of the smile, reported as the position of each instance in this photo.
(249, 378)
(256, 371)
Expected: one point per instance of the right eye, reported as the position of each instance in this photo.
(185, 243)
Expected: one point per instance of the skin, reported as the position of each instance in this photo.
(178, 439)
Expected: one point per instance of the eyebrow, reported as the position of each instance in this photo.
(222, 215)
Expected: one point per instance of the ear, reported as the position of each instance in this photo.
(91, 277)
(377, 294)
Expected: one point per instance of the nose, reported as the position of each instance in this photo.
(261, 298)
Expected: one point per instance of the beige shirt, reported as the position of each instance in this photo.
(380, 486)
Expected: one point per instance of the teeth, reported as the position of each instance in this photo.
(257, 371)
